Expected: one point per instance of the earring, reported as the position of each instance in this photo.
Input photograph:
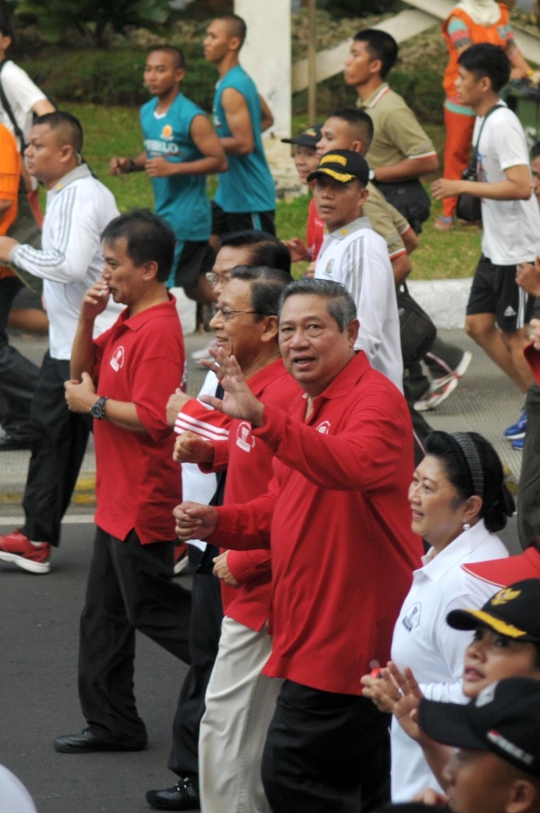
(466, 526)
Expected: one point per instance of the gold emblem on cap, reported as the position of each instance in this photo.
(505, 595)
(333, 159)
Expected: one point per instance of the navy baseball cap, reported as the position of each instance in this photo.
(309, 138)
(343, 166)
(513, 612)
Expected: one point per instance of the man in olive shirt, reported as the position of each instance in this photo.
(400, 153)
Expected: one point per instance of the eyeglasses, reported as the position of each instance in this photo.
(228, 314)
(214, 278)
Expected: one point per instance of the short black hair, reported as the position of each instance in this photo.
(265, 249)
(267, 285)
(380, 45)
(6, 26)
(176, 53)
(67, 126)
(535, 151)
(485, 59)
(236, 26)
(358, 120)
(340, 303)
(497, 502)
(148, 239)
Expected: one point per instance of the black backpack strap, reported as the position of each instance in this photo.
(7, 107)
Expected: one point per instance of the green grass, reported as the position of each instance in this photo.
(115, 131)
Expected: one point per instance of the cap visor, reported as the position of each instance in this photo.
(340, 177)
(447, 723)
(471, 619)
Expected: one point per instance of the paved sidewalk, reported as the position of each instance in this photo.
(486, 401)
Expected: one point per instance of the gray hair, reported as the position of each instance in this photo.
(340, 303)
(266, 287)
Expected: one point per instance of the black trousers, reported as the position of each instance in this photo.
(529, 481)
(441, 351)
(58, 441)
(204, 632)
(18, 375)
(130, 587)
(421, 427)
(326, 753)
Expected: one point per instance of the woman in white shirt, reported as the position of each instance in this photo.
(458, 500)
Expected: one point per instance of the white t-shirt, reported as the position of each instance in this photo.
(357, 257)
(196, 485)
(22, 94)
(433, 650)
(14, 798)
(511, 227)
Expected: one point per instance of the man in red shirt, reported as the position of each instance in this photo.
(337, 521)
(123, 379)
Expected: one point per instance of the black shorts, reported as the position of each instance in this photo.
(195, 257)
(230, 222)
(495, 290)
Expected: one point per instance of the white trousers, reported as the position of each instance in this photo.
(240, 703)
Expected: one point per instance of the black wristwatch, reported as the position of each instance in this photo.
(97, 410)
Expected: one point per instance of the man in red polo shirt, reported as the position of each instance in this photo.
(123, 379)
(337, 520)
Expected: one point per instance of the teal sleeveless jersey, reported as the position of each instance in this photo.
(181, 200)
(247, 186)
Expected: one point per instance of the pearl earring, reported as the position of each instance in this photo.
(466, 526)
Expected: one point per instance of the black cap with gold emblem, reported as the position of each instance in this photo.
(512, 612)
(343, 166)
(309, 138)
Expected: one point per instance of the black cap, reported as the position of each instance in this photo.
(504, 718)
(309, 138)
(343, 166)
(512, 612)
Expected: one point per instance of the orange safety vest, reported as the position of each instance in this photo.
(479, 33)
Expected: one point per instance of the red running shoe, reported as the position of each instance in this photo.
(18, 549)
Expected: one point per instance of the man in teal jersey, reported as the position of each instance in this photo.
(246, 195)
(181, 149)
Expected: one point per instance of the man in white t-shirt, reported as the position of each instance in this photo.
(498, 311)
(353, 254)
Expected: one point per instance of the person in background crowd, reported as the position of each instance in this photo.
(79, 207)
(18, 375)
(470, 22)
(20, 102)
(495, 765)
(325, 747)
(355, 256)
(305, 161)
(458, 500)
(498, 310)
(123, 380)
(187, 414)
(180, 150)
(245, 197)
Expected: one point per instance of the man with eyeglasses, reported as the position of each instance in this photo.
(187, 414)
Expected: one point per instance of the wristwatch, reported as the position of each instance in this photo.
(97, 410)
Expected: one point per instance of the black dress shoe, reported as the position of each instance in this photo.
(184, 796)
(86, 742)
(10, 444)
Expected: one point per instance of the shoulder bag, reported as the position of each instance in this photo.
(469, 207)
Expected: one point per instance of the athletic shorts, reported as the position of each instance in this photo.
(230, 222)
(495, 290)
(192, 258)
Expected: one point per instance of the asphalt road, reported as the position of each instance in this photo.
(39, 618)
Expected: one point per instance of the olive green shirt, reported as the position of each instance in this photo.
(386, 221)
(397, 133)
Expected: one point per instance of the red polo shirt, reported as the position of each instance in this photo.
(249, 471)
(140, 360)
(315, 231)
(338, 522)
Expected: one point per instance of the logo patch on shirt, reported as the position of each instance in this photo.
(329, 266)
(117, 361)
(412, 619)
(244, 438)
(324, 427)
(509, 311)
(167, 132)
